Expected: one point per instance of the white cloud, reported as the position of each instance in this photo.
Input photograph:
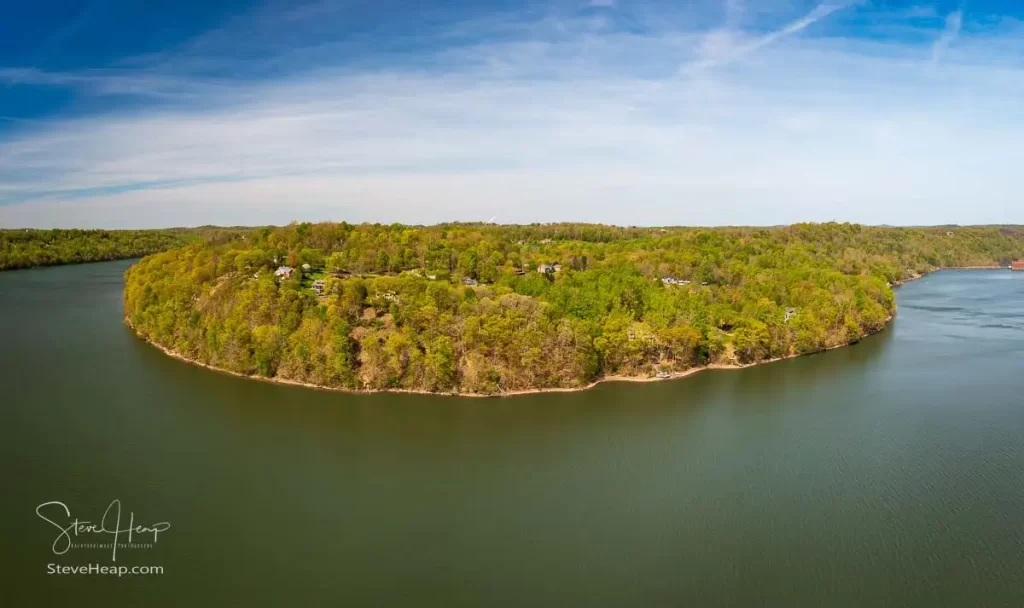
(582, 125)
(719, 47)
(954, 21)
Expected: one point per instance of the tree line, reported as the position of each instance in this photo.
(28, 248)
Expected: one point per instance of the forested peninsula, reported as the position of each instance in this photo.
(488, 310)
(28, 248)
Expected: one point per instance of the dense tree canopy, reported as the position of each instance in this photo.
(492, 309)
(27, 248)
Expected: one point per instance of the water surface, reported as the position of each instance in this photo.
(886, 474)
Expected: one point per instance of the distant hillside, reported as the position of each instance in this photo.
(26, 248)
(487, 309)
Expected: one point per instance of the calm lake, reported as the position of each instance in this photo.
(886, 474)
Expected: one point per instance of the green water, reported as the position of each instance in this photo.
(886, 474)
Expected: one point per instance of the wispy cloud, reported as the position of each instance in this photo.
(719, 48)
(920, 12)
(954, 21)
(538, 120)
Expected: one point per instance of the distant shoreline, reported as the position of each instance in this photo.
(531, 391)
(924, 274)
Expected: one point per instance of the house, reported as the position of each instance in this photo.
(545, 269)
(306, 267)
(318, 287)
(670, 280)
(789, 314)
(557, 267)
(545, 241)
(470, 282)
(1017, 265)
(283, 272)
(432, 277)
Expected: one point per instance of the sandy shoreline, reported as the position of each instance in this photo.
(532, 391)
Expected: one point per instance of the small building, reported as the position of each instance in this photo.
(306, 267)
(790, 312)
(545, 241)
(545, 269)
(318, 287)
(470, 282)
(284, 272)
(1017, 265)
(557, 267)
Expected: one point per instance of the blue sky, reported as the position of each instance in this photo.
(131, 114)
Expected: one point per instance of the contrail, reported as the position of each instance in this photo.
(820, 12)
